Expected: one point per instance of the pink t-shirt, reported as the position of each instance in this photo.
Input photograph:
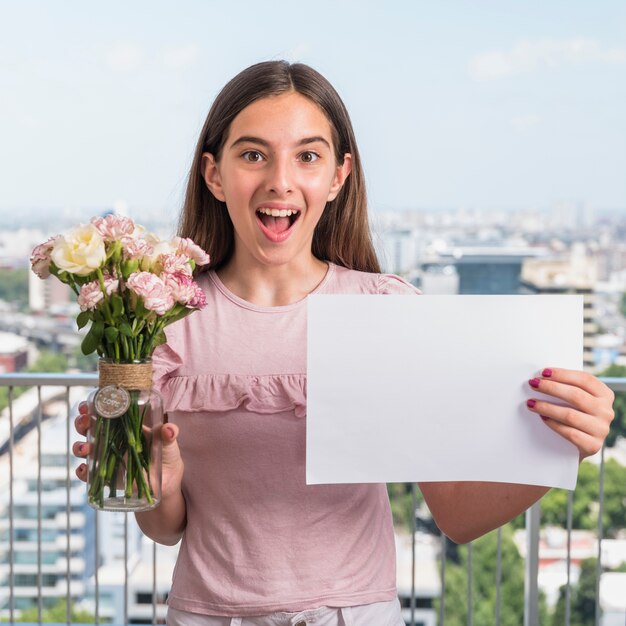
(258, 539)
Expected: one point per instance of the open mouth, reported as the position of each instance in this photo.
(277, 223)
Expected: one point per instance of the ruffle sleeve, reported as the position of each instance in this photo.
(392, 285)
(225, 392)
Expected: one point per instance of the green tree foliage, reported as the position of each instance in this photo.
(618, 426)
(484, 559)
(585, 504)
(402, 503)
(57, 614)
(583, 598)
(14, 286)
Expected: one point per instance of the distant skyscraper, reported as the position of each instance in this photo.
(576, 274)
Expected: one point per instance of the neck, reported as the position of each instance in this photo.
(273, 285)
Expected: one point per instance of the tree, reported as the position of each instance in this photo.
(583, 598)
(484, 558)
(14, 286)
(57, 614)
(618, 427)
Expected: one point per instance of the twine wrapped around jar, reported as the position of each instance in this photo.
(127, 375)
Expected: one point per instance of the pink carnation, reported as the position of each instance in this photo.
(40, 258)
(185, 290)
(135, 248)
(155, 294)
(199, 299)
(91, 294)
(192, 250)
(113, 227)
(176, 264)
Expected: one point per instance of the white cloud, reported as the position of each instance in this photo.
(180, 57)
(124, 57)
(532, 56)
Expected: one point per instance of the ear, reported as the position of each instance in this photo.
(341, 173)
(211, 175)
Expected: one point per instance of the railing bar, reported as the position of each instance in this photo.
(600, 533)
(39, 509)
(568, 588)
(125, 568)
(470, 584)
(11, 513)
(531, 588)
(97, 565)
(498, 575)
(413, 531)
(69, 507)
(154, 583)
(442, 608)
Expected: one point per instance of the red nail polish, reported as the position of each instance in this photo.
(534, 382)
(544, 418)
(531, 403)
(547, 372)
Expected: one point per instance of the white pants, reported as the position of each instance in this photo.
(376, 614)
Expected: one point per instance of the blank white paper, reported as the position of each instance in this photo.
(434, 388)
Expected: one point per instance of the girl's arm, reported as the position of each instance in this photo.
(467, 510)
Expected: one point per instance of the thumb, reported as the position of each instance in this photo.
(169, 434)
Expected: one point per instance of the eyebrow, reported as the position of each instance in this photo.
(262, 142)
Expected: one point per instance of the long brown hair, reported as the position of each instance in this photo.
(342, 235)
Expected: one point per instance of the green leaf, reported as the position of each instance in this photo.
(89, 343)
(82, 319)
(118, 305)
(125, 329)
(159, 339)
(97, 328)
(111, 333)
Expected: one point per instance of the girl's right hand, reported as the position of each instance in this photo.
(172, 463)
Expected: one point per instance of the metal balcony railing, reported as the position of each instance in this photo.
(10, 568)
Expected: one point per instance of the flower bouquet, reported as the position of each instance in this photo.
(129, 285)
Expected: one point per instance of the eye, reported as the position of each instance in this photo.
(252, 156)
(309, 157)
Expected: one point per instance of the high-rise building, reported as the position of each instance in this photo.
(45, 531)
(576, 274)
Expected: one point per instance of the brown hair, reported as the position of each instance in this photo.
(342, 235)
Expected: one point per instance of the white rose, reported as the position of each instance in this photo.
(151, 261)
(81, 251)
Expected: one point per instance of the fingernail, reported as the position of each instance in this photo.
(547, 372)
(534, 382)
(81, 447)
(82, 407)
(531, 403)
(544, 418)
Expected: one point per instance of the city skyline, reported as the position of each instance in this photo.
(488, 105)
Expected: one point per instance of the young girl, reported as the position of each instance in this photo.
(276, 196)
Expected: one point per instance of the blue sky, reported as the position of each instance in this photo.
(455, 104)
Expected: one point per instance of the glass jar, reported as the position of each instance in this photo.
(125, 436)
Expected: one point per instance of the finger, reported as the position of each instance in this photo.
(169, 434)
(83, 407)
(575, 396)
(81, 424)
(587, 444)
(584, 380)
(81, 449)
(81, 472)
(569, 417)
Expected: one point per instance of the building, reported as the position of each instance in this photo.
(576, 274)
(13, 353)
(484, 269)
(62, 524)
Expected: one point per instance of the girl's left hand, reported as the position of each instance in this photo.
(586, 420)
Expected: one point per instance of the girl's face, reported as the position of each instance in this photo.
(276, 173)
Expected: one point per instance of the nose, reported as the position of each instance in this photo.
(280, 176)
